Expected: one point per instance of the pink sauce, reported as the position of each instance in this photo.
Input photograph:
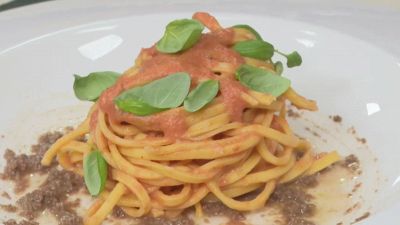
(198, 61)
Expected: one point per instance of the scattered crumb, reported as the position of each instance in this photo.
(293, 114)
(351, 130)
(352, 208)
(22, 222)
(5, 195)
(362, 140)
(9, 208)
(352, 163)
(364, 216)
(349, 195)
(235, 222)
(21, 185)
(118, 213)
(313, 132)
(74, 204)
(341, 223)
(2, 136)
(336, 118)
(206, 220)
(219, 209)
(356, 187)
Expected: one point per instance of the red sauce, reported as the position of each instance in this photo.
(198, 61)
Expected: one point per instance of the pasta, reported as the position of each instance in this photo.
(164, 163)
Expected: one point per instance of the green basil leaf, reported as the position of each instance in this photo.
(249, 28)
(129, 103)
(278, 67)
(165, 93)
(95, 172)
(262, 80)
(180, 35)
(255, 49)
(204, 93)
(90, 87)
(293, 59)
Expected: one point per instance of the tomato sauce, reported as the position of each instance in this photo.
(198, 61)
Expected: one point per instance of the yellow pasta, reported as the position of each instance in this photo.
(237, 143)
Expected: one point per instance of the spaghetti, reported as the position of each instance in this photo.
(167, 162)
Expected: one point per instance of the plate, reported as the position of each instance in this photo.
(350, 73)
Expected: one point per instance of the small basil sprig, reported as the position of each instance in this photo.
(156, 96)
(180, 35)
(95, 172)
(249, 28)
(293, 59)
(262, 80)
(257, 49)
(204, 93)
(90, 87)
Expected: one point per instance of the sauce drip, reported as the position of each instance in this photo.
(199, 62)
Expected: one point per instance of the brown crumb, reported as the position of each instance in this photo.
(118, 213)
(341, 223)
(352, 163)
(349, 195)
(219, 209)
(312, 132)
(234, 222)
(352, 208)
(5, 195)
(22, 222)
(180, 220)
(362, 140)
(52, 195)
(352, 130)
(364, 216)
(293, 114)
(356, 187)
(9, 208)
(336, 118)
(18, 167)
(21, 185)
(294, 201)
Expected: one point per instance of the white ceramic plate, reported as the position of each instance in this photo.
(349, 72)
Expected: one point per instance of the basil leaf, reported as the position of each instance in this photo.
(262, 80)
(293, 59)
(165, 93)
(90, 87)
(180, 35)
(255, 49)
(129, 103)
(204, 93)
(95, 172)
(249, 28)
(278, 67)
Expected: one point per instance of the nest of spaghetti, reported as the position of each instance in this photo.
(164, 163)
